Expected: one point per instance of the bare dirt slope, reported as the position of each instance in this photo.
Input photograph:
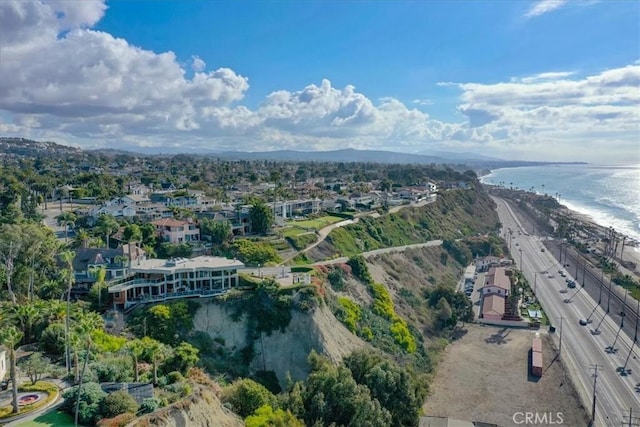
(484, 376)
(286, 352)
(202, 408)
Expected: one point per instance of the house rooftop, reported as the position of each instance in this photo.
(170, 266)
(170, 222)
(497, 276)
(493, 304)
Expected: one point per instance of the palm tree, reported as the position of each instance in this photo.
(67, 257)
(87, 324)
(10, 336)
(149, 251)
(107, 225)
(136, 348)
(100, 274)
(66, 219)
(27, 316)
(157, 352)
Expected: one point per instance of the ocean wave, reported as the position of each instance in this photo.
(606, 219)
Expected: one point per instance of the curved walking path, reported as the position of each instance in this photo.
(324, 232)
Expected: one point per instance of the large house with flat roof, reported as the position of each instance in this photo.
(155, 280)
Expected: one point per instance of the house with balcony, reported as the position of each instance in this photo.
(115, 262)
(176, 230)
(156, 280)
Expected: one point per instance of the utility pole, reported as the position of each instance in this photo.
(601, 283)
(635, 337)
(609, 298)
(624, 305)
(560, 346)
(593, 406)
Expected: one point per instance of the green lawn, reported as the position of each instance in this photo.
(317, 223)
(50, 419)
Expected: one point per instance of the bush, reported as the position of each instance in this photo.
(181, 389)
(118, 402)
(91, 398)
(174, 377)
(246, 396)
(349, 313)
(52, 339)
(336, 279)
(150, 404)
(113, 369)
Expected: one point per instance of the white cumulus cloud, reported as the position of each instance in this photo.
(544, 6)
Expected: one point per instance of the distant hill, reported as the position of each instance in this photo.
(346, 155)
(29, 148)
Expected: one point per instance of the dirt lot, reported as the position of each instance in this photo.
(484, 376)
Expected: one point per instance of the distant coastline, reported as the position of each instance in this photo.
(606, 194)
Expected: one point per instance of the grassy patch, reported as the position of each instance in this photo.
(316, 223)
(50, 419)
(302, 241)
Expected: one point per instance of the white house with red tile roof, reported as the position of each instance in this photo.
(497, 282)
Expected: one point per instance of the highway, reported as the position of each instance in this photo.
(581, 348)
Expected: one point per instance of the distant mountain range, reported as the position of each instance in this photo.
(26, 147)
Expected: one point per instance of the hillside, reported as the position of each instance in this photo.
(455, 214)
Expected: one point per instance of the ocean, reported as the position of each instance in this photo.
(610, 195)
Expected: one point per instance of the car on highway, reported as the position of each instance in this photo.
(542, 250)
(585, 322)
(571, 284)
(551, 276)
(563, 291)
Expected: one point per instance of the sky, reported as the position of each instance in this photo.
(555, 80)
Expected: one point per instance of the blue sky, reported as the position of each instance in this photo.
(510, 78)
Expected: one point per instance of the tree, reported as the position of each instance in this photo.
(10, 336)
(106, 225)
(265, 416)
(99, 287)
(86, 325)
(88, 401)
(444, 312)
(118, 402)
(185, 356)
(27, 315)
(261, 216)
(332, 397)
(157, 352)
(218, 231)
(136, 349)
(245, 396)
(67, 258)
(132, 233)
(35, 366)
(66, 219)
(390, 384)
(9, 250)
